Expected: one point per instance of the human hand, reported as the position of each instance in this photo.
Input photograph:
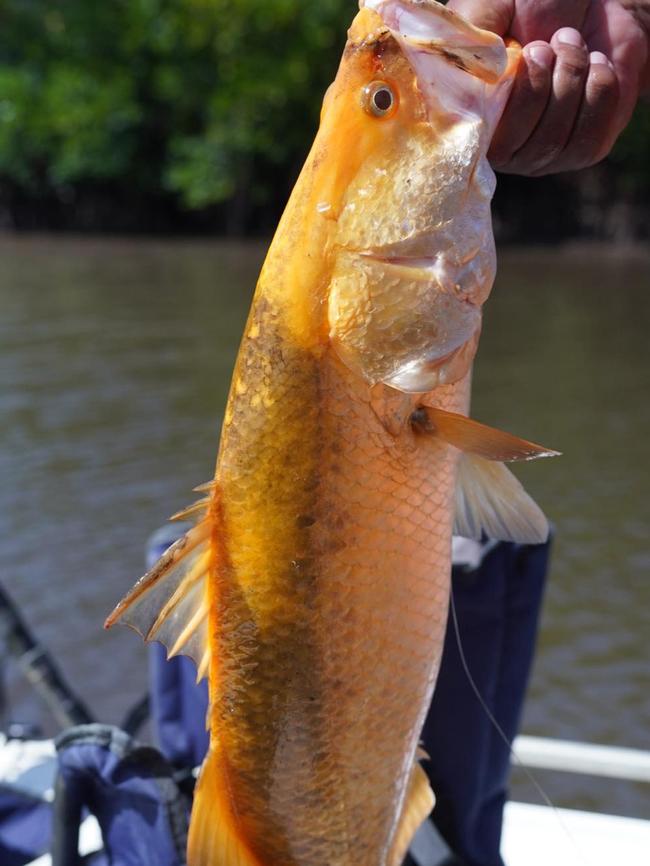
(577, 83)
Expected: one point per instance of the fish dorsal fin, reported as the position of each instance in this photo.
(170, 603)
(418, 804)
(491, 501)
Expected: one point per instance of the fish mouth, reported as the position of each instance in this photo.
(427, 27)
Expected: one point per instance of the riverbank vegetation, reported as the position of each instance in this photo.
(195, 116)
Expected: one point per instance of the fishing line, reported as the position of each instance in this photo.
(513, 754)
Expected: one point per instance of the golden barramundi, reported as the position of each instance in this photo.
(313, 587)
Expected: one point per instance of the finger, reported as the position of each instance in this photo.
(596, 128)
(495, 16)
(528, 100)
(619, 34)
(540, 19)
(553, 130)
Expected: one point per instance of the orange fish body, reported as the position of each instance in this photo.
(314, 587)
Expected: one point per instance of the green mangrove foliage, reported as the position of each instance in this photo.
(180, 107)
(202, 99)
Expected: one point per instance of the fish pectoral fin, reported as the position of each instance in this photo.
(417, 806)
(491, 501)
(215, 839)
(474, 438)
(170, 603)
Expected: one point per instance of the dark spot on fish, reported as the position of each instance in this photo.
(304, 521)
(420, 421)
(476, 56)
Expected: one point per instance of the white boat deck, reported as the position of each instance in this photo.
(539, 836)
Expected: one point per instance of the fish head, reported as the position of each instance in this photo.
(405, 130)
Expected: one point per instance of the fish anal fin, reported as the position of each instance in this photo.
(215, 839)
(418, 804)
(474, 438)
(170, 603)
(491, 501)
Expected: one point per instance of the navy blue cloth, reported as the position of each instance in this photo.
(130, 789)
(179, 707)
(497, 605)
(25, 828)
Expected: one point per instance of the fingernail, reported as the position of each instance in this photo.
(597, 57)
(569, 36)
(541, 55)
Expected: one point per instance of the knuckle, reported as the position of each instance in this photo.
(589, 144)
(537, 82)
(573, 61)
(537, 161)
(602, 86)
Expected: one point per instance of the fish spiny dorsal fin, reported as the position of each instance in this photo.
(170, 603)
(489, 499)
(192, 511)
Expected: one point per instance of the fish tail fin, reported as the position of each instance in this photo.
(214, 837)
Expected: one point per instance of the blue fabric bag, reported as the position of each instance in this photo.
(131, 790)
(25, 828)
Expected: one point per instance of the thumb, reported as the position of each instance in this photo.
(495, 16)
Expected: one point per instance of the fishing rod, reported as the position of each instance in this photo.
(38, 667)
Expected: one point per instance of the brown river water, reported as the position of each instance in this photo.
(115, 360)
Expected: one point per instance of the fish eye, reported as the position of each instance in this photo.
(379, 99)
